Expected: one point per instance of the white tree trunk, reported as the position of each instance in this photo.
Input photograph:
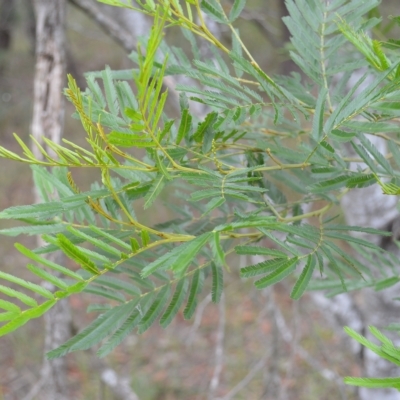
(370, 207)
(47, 121)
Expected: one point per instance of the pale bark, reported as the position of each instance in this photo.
(48, 108)
(47, 121)
(368, 207)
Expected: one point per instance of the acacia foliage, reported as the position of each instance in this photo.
(237, 179)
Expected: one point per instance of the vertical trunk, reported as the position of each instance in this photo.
(47, 121)
(48, 109)
(370, 207)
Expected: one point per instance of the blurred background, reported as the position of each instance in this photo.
(272, 348)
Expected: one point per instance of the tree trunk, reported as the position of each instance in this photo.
(370, 207)
(47, 121)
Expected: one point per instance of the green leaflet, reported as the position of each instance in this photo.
(126, 328)
(101, 327)
(6, 316)
(356, 229)
(385, 283)
(352, 239)
(204, 126)
(341, 136)
(162, 168)
(379, 158)
(280, 273)
(129, 140)
(155, 309)
(177, 300)
(361, 181)
(213, 204)
(386, 351)
(236, 9)
(218, 251)
(195, 289)
(257, 250)
(145, 237)
(71, 251)
(28, 285)
(96, 242)
(217, 282)
(179, 258)
(318, 121)
(110, 92)
(29, 301)
(21, 319)
(104, 292)
(214, 10)
(330, 184)
(110, 237)
(373, 382)
(301, 284)
(6, 305)
(42, 211)
(33, 230)
(134, 245)
(334, 266)
(250, 223)
(155, 190)
(262, 267)
(185, 126)
(204, 194)
(118, 284)
(48, 278)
